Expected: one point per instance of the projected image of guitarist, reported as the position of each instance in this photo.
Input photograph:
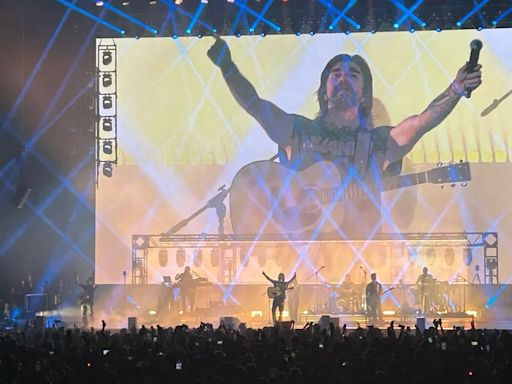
(331, 167)
(278, 294)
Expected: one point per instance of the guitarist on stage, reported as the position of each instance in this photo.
(343, 132)
(373, 293)
(278, 293)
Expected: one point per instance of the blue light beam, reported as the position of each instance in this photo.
(128, 17)
(471, 13)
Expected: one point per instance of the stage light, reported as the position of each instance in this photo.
(256, 313)
(107, 169)
(438, 29)
(175, 36)
(449, 256)
(152, 2)
(214, 258)
(490, 239)
(204, 1)
(178, 2)
(388, 313)
(125, 3)
(106, 124)
(412, 30)
(180, 257)
(152, 312)
(198, 257)
(106, 80)
(163, 257)
(99, 3)
(107, 102)
(108, 148)
(472, 313)
(467, 256)
(238, 35)
(188, 31)
(106, 57)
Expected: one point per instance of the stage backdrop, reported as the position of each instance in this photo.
(181, 136)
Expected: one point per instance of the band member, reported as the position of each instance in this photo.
(279, 294)
(425, 285)
(348, 294)
(187, 286)
(345, 98)
(373, 293)
(293, 299)
(87, 298)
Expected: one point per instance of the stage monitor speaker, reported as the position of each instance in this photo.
(230, 322)
(132, 323)
(420, 323)
(36, 302)
(289, 325)
(326, 321)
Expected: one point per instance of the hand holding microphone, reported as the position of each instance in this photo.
(469, 76)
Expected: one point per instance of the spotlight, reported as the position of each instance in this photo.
(163, 257)
(108, 148)
(107, 169)
(178, 2)
(214, 257)
(107, 102)
(99, 3)
(106, 57)
(106, 124)
(152, 2)
(198, 257)
(125, 3)
(438, 29)
(412, 30)
(106, 80)
(180, 257)
(175, 36)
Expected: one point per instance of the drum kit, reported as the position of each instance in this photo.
(341, 301)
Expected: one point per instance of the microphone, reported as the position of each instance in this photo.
(476, 46)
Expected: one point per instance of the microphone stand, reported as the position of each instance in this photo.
(364, 288)
(317, 288)
(216, 202)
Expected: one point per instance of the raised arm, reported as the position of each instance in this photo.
(268, 278)
(406, 134)
(293, 278)
(276, 122)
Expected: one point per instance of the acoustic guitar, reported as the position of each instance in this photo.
(269, 198)
(275, 291)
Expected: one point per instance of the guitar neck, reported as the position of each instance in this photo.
(353, 190)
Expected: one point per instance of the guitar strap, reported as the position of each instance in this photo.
(362, 152)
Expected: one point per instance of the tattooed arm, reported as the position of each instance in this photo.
(405, 135)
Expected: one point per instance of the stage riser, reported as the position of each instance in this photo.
(136, 299)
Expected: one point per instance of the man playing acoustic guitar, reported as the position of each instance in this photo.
(342, 136)
(278, 294)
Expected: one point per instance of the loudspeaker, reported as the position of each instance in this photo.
(22, 195)
(230, 322)
(289, 325)
(326, 321)
(132, 323)
(420, 323)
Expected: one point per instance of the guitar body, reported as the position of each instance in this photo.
(273, 292)
(268, 198)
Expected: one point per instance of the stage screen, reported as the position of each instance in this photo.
(181, 135)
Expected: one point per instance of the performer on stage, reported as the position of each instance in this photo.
(373, 293)
(425, 283)
(278, 294)
(187, 286)
(347, 291)
(87, 298)
(345, 98)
